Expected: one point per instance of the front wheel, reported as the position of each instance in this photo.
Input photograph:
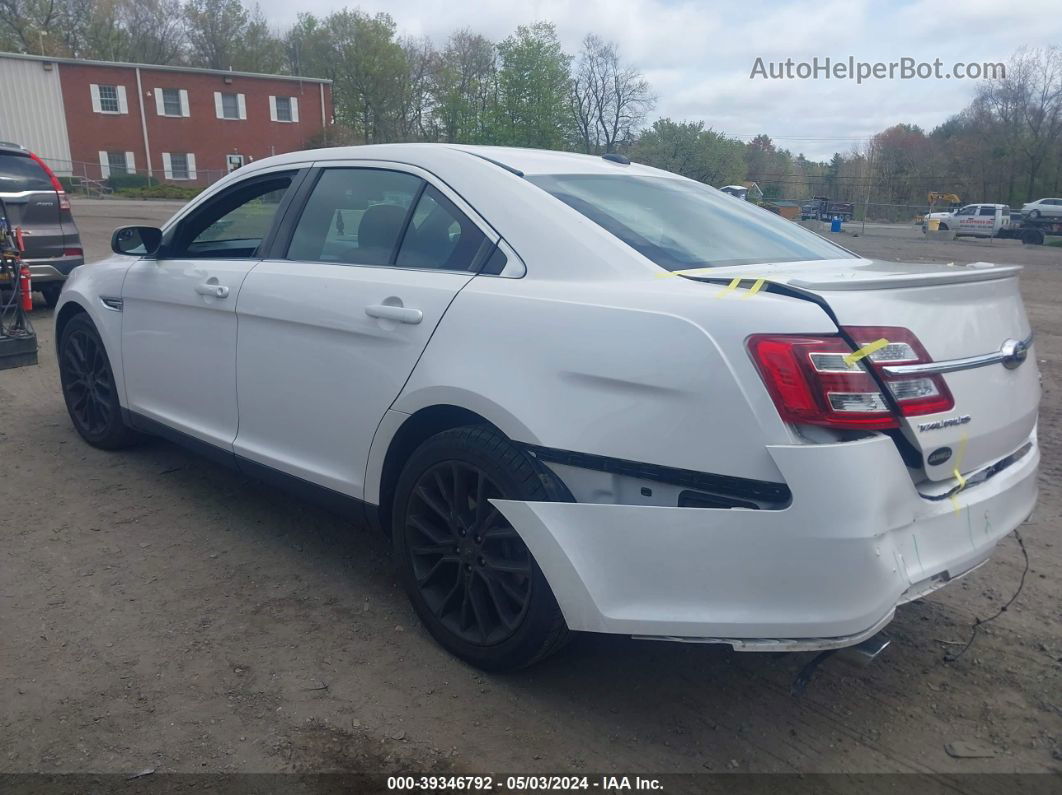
(470, 577)
(1034, 214)
(88, 387)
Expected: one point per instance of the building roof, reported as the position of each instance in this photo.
(158, 67)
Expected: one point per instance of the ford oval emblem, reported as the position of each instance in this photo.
(939, 456)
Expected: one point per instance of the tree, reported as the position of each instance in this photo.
(533, 84)
(214, 28)
(464, 88)
(608, 100)
(687, 148)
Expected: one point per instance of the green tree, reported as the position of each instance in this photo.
(464, 88)
(687, 148)
(533, 85)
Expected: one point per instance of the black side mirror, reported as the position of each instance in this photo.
(141, 241)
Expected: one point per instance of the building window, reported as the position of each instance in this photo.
(284, 109)
(109, 100)
(178, 165)
(171, 102)
(117, 164)
(230, 106)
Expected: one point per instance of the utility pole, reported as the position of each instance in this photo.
(866, 200)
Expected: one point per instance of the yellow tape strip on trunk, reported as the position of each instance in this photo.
(729, 288)
(958, 475)
(865, 351)
(754, 289)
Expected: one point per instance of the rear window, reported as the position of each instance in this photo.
(683, 224)
(20, 173)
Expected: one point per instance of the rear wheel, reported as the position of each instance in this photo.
(469, 575)
(88, 387)
(1034, 214)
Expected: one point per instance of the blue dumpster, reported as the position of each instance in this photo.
(835, 224)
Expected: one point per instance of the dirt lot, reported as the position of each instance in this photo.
(160, 612)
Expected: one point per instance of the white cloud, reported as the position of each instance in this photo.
(698, 55)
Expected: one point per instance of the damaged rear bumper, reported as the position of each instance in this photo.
(826, 572)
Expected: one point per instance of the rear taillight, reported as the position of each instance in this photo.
(73, 252)
(812, 380)
(64, 200)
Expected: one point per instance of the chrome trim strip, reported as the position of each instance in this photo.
(1004, 355)
(114, 304)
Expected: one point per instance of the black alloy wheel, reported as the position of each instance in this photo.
(88, 386)
(471, 567)
(472, 580)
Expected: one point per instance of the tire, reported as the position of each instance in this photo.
(1034, 214)
(88, 387)
(51, 291)
(472, 581)
(943, 228)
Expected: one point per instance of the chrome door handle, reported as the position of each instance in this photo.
(213, 289)
(399, 314)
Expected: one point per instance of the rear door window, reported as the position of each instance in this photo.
(987, 211)
(355, 216)
(19, 173)
(439, 236)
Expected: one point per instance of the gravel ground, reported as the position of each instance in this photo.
(159, 612)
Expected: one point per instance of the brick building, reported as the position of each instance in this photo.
(96, 119)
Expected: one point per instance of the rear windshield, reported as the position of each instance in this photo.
(681, 224)
(20, 173)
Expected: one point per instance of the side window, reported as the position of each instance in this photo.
(354, 216)
(987, 211)
(439, 236)
(966, 211)
(232, 225)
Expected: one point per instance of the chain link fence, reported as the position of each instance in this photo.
(82, 178)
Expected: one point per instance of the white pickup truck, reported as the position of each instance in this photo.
(992, 220)
(974, 220)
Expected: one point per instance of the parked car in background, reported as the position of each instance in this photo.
(1042, 208)
(36, 202)
(674, 416)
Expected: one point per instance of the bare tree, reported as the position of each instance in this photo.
(608, 99)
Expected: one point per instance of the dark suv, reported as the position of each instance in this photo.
(36, 201)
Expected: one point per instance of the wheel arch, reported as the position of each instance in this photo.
(402, 434)
(65, 314)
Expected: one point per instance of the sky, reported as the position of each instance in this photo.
(698, 56)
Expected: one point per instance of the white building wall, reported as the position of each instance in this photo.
(32, 113)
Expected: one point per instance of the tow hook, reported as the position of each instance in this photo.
(861, 654)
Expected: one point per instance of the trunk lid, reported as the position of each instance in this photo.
(956, 312)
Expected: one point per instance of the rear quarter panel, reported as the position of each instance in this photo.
(649, 369)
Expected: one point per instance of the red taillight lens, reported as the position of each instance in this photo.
(73, 252)
(811, 381)
(914, 394)
(64, 200)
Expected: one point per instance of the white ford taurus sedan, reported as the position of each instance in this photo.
(578, 393)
